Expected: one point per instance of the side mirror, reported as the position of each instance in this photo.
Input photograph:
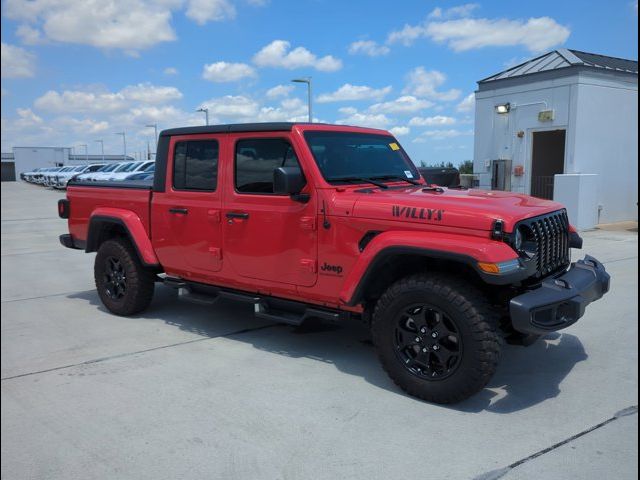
(288, 181)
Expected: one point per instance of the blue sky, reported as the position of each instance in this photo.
(76, 71)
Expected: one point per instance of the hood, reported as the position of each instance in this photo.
(473, 208)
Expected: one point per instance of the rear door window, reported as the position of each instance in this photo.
(195, 165)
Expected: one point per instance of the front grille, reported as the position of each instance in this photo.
(550, 235)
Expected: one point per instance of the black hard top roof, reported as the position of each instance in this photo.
(233, 127)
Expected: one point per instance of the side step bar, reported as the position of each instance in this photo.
(268, 308)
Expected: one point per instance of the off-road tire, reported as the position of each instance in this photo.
(476, 323)
(139, 281)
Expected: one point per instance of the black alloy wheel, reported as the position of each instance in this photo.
(115, 281)
(427, 342)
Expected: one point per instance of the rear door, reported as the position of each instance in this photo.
(187, 215)
(267, 236)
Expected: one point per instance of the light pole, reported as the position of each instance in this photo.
(206, 114)
(101, 148)
(155, 129)
(86, 151)
(306, 80)
(124, 144)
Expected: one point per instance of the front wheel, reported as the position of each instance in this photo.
(125, 286)
(436, 337)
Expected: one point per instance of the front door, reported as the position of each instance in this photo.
(266, 236)
(186, 222)
(547, 160)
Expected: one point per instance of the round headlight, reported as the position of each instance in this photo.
(518, 240)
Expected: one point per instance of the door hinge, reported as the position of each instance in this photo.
(308, 223)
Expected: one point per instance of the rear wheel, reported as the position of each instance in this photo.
(436, 337)
(125, 286)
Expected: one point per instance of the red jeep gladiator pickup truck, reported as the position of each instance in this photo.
(312, 220)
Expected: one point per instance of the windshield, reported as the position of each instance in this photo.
(345, 156)
(122, 167)
(131, 167)
(79, 169)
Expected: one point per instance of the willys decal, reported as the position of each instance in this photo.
(417, 213)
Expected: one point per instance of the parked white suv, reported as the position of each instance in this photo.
(121, 174)
(62, 178)
(97, 174)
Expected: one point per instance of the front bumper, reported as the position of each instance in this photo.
(560, 301)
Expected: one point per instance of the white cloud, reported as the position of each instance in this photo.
(459, 11)
(17, 62)
(438, 120)
(368, 47)
(148, 93)
(467, 104)
(203, 11)
(444, 134)
(29, 35)
(101, 101)
(401, 105)
(279, 91)
(635, 6)
(400, 131)
(536, 34)
(461, 34)
(361, 119)
(227, 72)
(425, 83)
(232, 106)
(279, 54)
(130, 25)
(26, 118)
(349, 92)
(407, 35)
(170, 71)
(347, 110)
(82, 126)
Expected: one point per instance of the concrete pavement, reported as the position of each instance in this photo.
(188, 391)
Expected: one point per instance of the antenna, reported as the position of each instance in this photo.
(325, 221)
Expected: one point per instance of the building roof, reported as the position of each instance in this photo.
(564, 58)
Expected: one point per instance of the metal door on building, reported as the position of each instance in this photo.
(547, 160)
(501, 175)
(8, 173)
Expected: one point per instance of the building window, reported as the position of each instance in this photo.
(255, 161)
(195, 165)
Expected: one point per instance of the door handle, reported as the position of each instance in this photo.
(181, 211)
(242, 215)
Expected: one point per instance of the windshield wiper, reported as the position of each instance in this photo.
(358, 179)
(397, 177)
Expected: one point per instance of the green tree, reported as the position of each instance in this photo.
(466, 167)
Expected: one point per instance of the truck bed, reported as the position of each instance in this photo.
(87, 198)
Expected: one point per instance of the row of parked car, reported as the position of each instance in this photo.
(59, 177)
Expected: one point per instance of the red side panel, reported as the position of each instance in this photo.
(127, 204)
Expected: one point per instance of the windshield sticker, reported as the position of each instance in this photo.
(408, 174)
(394, 146)
(417, 213)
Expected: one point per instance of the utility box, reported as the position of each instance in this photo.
(501, 175)
(579, 193)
